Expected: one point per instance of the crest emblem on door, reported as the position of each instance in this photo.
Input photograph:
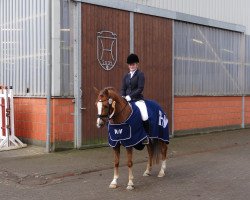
(107, 49)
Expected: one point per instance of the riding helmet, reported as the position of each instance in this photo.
(132, 58)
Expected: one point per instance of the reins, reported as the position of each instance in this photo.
(117, 114)
(113, 114)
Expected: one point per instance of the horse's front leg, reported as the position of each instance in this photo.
(130, 165)
(113, 184)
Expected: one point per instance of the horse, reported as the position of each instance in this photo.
(114, 109)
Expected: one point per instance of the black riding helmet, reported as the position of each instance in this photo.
(132, 58)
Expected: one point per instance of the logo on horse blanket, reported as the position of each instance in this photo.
(131, 133)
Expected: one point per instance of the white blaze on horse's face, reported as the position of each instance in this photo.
(99, 122)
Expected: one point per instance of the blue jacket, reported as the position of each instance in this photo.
(133, 86)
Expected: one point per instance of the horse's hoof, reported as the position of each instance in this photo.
(130, 187)
(161, 174)
(146, 173)
(112, 186)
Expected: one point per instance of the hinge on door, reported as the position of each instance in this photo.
(82, 108)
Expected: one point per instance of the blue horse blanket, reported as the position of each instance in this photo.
(131, 133)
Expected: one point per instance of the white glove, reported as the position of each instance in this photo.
(128, 98)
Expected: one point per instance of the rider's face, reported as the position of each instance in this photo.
(132, 67)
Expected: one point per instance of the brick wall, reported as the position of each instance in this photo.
(189, 113)
(247, 110)
(62, 120)
(30, 119)
(205, 112)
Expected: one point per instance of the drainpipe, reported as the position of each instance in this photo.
(48, 81)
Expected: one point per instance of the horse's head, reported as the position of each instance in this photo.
(105, 107)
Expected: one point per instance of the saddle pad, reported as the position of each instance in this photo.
(129, 133)
(158, 121)
(119, 132)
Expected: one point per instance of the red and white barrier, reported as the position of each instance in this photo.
(8, 140)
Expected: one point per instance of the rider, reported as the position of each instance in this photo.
(132, 88)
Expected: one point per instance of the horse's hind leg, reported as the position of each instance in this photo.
(130, 164)
(113, 184)
(150, 159)
(164, 149)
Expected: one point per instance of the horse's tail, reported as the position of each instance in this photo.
(156, 150)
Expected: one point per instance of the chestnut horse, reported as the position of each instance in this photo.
(114, 109)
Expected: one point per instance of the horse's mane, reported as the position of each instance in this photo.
(110, 91)
(111, 88)
(107, 89)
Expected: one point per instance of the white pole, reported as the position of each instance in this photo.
(9, 141)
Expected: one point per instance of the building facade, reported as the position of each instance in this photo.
(195, 56)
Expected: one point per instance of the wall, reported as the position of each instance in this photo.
(29, 30)
(30, 118)
(24, 47)
(208, 61)
(192, 113)
(247, 111)
(62, 123)
(30, 121)
(230, 11)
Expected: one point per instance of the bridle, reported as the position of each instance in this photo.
(111, 105)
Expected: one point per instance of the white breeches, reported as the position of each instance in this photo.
(143, 109)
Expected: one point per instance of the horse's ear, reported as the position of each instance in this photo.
(96, 90)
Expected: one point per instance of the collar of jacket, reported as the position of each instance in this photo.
(133, 73)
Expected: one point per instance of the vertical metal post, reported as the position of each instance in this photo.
(172, 134)
(7, 116)
(76, 58)
(244, 76)
(56, 70)
(243, 112)
(132, 35)
(48, 78)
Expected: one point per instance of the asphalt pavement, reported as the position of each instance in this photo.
(210, 166)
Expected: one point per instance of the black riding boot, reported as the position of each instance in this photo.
(146, 127)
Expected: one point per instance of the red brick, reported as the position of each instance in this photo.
(56, 128)
(200, 112)
(67, 128)
(70, 118)
(57, 110)
(65, 109)
(72, 109)
(67, 137)
(30, 118)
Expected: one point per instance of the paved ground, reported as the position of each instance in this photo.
(211, 166)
